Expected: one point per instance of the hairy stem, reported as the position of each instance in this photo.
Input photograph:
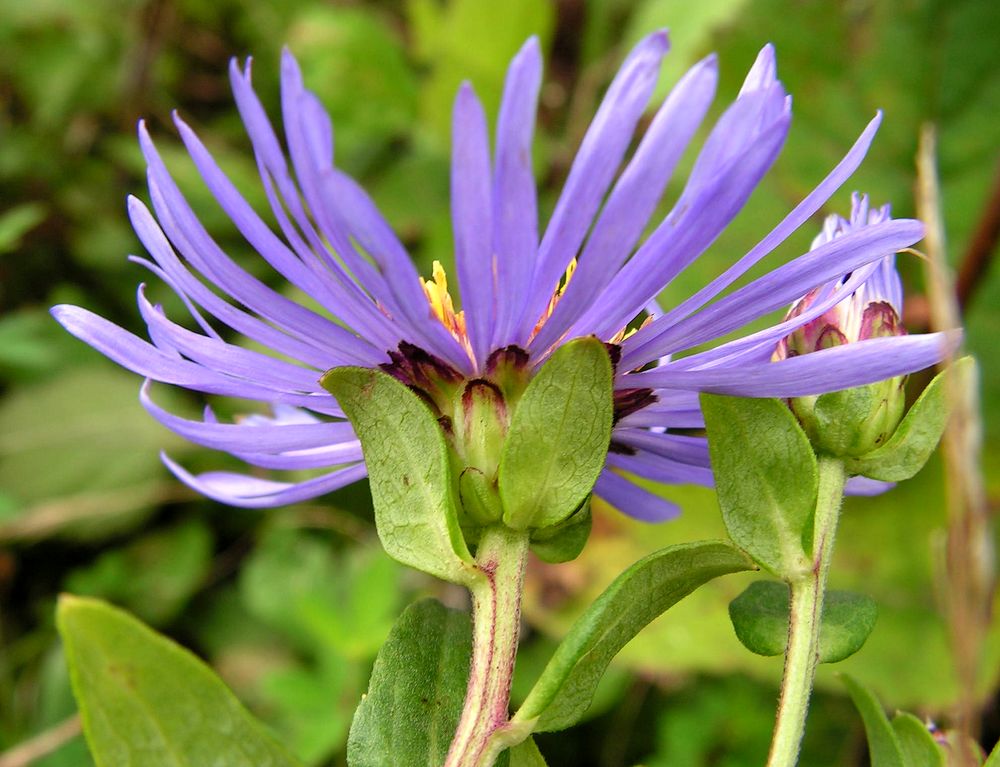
(802, 652)
(496, 615)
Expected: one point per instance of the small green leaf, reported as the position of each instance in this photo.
(760, 619)
(644, 591)
(416, 691)
(145, 700)
(415, 507)
(918, 433)
(526, 754)
(559, 436)
(565, 541)
(883, 744)
(765, 476)
(916, 743)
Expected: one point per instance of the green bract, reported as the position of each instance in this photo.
(906, 452)
(415, 506)
(559, 437)
(852, 422)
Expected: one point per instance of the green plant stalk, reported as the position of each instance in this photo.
(496, 615)
(807, 591)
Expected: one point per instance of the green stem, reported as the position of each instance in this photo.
(802, 653)
(496, 617)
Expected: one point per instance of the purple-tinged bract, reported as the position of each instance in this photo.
(525, 288)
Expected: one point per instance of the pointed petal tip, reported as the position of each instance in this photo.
(532, 47)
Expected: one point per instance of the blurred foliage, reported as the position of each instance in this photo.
(290, 606)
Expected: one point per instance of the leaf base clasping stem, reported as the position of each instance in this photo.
(483, 730)
(807, 591)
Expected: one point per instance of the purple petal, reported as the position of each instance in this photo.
(252, 437)
(472, 217)
(228, 359)
(635, 196)
(760, 346)
(812, 202)
(515, 209)
(254, 493)
(763, 73)
(840, 367)
(677, 447)
(364, 223)
(633, 500)
(780, 288)
(691, 227)
(659, 469)
(193, 242)
(596, 163)
(867, 487)
(143, 358)
(311, 351)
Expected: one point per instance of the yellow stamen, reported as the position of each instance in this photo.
(555, 299)
(443, 307)
(441, 304)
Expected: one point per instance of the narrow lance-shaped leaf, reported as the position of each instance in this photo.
(765, 476)
(908, 449)
(416, 691)
(644, 591)
(147, 701)
(760, 619)
(407, 458)
(558, 438)
(883, 745)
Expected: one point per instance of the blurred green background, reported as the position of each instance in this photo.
(291, 605)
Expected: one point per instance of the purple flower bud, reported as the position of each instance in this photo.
(855, 421)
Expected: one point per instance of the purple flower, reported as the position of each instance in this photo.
(513, 278)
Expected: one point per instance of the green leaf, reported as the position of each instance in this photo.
(145, 700)
(565, 541)
(526, 754)
(765, 477)
(558, 438)
(883, 744)
(760, 619)
(918, 433)
(640, 594)
(916, 743)
(416, 692)
(415, 507)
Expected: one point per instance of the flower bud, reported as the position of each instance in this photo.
(850, 422)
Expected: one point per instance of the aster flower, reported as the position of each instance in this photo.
(524, 290)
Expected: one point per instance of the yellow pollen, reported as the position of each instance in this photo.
(555, 299)
(441, 304)
(443, 307)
